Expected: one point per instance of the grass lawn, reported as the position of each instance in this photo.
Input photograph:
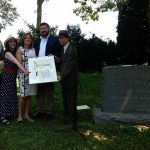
(40, 135)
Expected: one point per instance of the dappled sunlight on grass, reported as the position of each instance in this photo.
(100, 137)
(142, 128)
(97, 136)
(88, 132)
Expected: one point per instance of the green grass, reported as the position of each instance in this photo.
(40, 135)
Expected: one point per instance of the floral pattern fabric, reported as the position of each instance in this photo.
(26, 89)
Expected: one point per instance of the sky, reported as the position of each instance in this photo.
(60, 13)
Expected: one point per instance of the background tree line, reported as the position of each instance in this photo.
(133, 41)
(93, 52)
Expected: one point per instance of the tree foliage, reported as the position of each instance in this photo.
(35, 31)
(148, 11)
(133, 26)
(75, 34)
(134, 32)
(92, 52)
(90, 9)
(8, 13)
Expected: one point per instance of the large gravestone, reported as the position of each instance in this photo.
(126, 95)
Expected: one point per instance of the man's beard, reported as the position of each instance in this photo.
(45, 35)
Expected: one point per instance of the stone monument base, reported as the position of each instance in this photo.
(101, 117)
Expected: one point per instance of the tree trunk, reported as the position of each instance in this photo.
(148, 11)
(39, 12)
(120, 7)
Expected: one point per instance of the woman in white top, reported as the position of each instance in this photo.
(26, 90)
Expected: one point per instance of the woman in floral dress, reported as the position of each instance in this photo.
(26, 90)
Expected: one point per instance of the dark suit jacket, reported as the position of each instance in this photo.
(69, 67)
(52, 47)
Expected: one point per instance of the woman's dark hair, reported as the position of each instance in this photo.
(7, 47)
(23, 38)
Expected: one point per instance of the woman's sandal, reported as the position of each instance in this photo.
(4, 121)
(19, 120)
(28, 119)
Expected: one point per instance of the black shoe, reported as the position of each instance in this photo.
(37, 114)
(67, 122)
(67, 128)
(50, 115)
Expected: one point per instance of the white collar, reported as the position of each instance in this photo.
(66, 46)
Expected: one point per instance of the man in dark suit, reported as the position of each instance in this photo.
(44, 46)
(68, 78)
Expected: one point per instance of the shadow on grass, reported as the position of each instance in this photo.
(40, 134)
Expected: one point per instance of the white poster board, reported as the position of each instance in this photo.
(42, 70)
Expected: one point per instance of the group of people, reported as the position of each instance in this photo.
(16, 64)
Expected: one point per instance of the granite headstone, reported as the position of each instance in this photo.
(126, 92)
